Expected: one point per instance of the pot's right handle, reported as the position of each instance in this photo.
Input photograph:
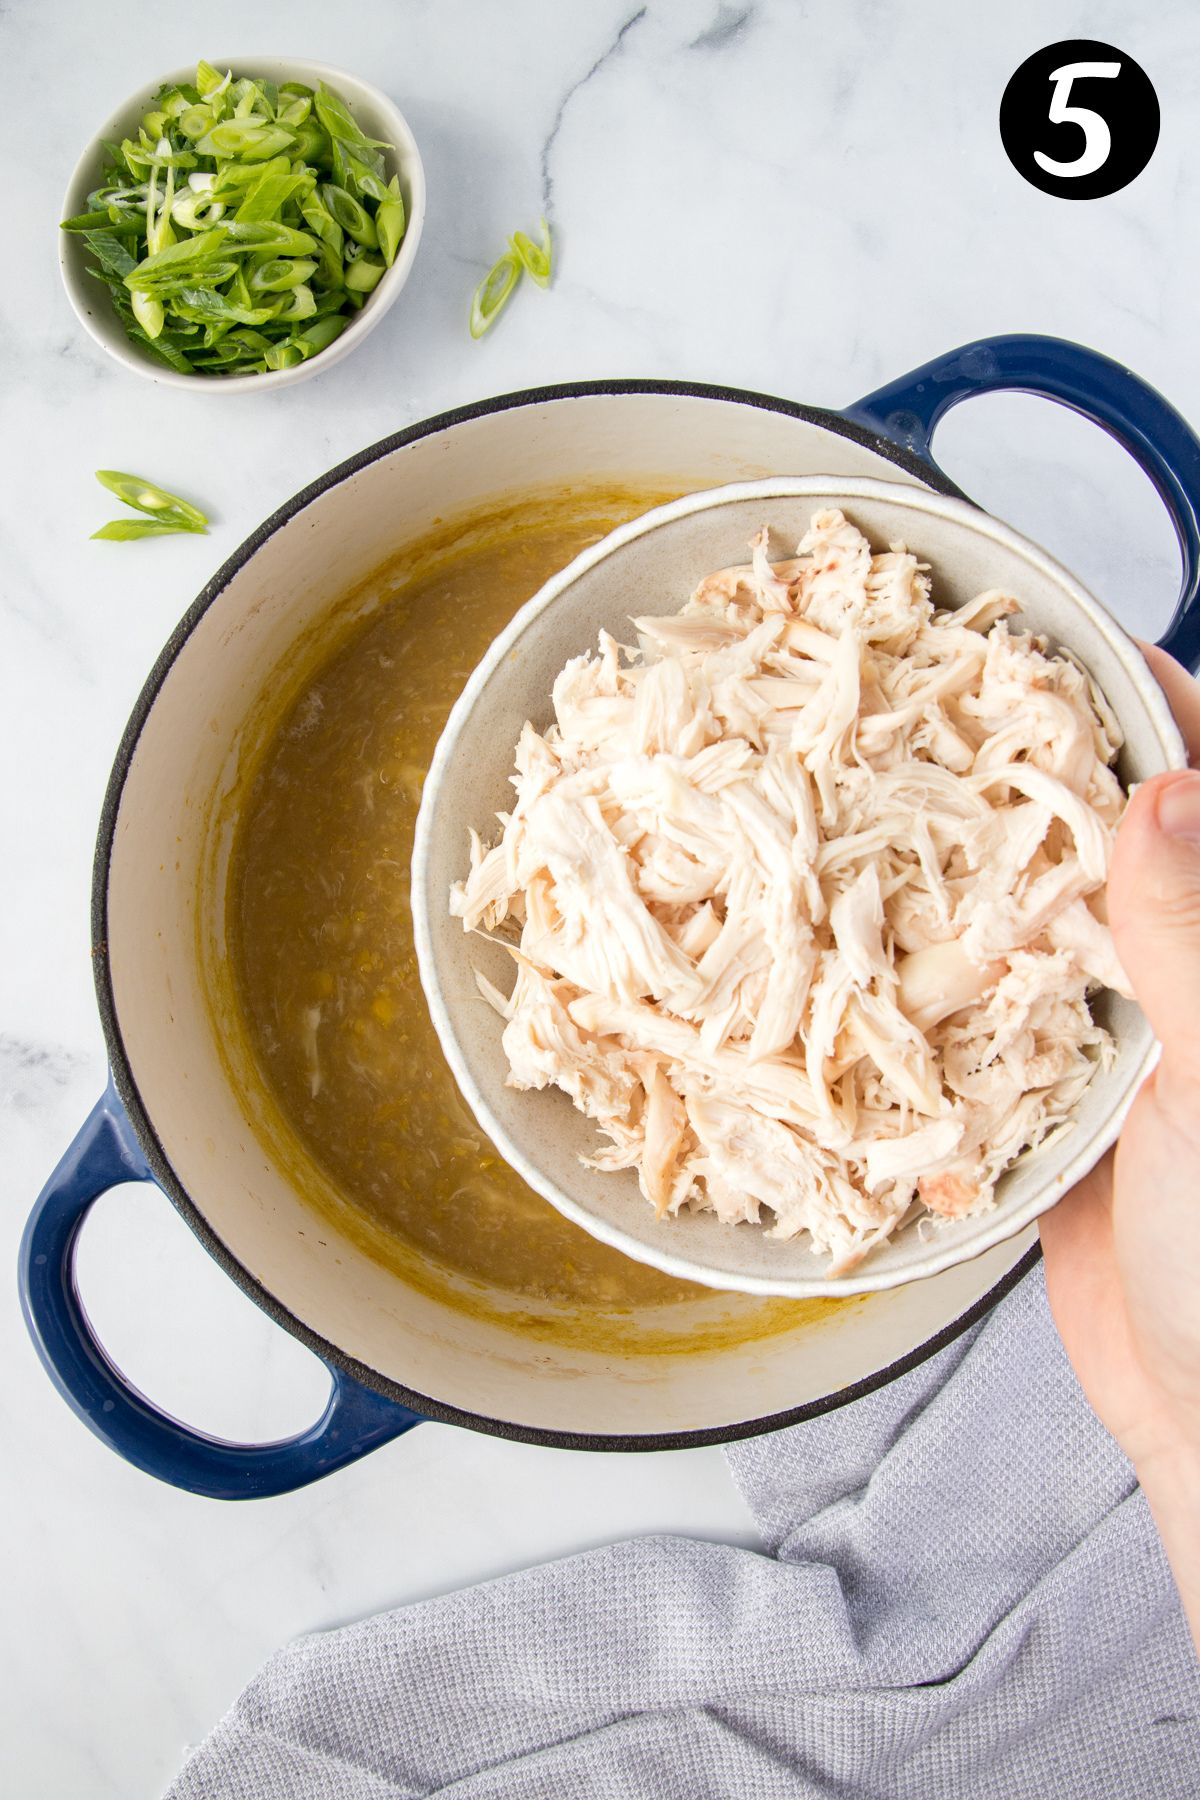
(355, 1420)
(907, 412)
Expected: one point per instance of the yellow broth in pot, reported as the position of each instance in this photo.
(324, 973)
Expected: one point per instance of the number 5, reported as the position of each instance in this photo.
(1097, 137)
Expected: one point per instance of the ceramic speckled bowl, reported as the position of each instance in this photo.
(651, 565)
(175, 1114)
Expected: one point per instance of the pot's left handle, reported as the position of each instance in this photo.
(104, 1154)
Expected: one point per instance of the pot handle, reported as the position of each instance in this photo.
(907, 412)
(104, 1154)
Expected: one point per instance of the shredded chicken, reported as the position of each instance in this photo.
(805, 895)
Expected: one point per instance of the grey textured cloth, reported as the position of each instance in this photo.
(962, 1596)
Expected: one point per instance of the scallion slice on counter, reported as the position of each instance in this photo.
(165, 512)
(121, 530)
(535, 258)
(238, 211)
(495, 290)
(493, 293)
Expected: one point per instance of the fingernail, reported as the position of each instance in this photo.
(1179, 808)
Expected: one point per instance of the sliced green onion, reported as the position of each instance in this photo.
(119, 530)
(249, 98)
(242, 224)
(210, 80)
(270, 194)
(331, 301)
(195, 121)
(493, 293)
(495, 289)
(166, 512)
(149, 314)
(321, 223)
(148, 497)
(341, 124)
(196, 209)
(320, 334)
(233, 181)
(246, 338)
(204, 307)
(354, 219)
(283, 356)
(295, 112)
(364, 274)
(151, 214)
(112, 253)
(158, 154)
(280, 274)
(390, 222)
(267, 234)
(169, 283)
(159, 235)
(535, 258)
(313, 145)
(301, 304)
(189, 253)
(88, 221)
(169, 347)
(252, 139)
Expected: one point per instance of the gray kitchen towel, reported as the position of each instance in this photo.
(962, 1596)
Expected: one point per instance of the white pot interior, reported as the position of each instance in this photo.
(261, 634)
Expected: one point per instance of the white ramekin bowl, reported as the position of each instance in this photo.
(378, 117)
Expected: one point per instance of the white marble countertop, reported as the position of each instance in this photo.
(805, 199)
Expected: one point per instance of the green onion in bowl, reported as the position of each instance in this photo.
(242, 224)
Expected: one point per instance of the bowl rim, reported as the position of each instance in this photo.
(997, 1226)
(105, 329)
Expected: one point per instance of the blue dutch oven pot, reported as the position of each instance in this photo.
(732, 434)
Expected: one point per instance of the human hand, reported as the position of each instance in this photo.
(1123, 1249)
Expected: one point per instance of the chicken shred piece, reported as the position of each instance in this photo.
(806, 895)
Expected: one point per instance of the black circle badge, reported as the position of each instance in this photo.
(1079, 119)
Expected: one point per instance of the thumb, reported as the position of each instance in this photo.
(1154, 911)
